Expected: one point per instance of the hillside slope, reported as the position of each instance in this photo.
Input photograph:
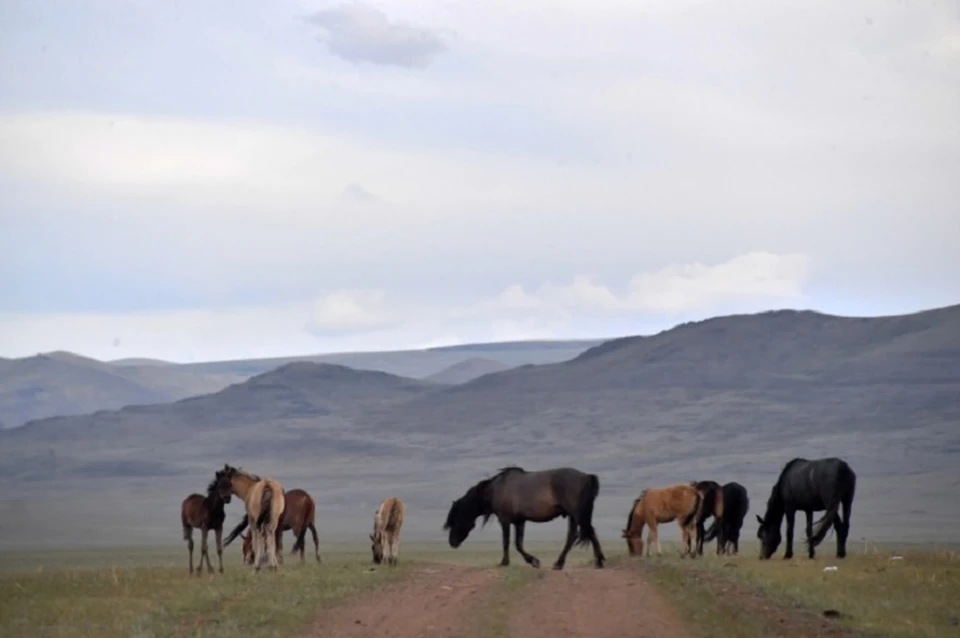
(467, 371)
(730, 398)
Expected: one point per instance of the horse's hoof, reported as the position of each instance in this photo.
(504, 563)
(558, 566)
(598, 564)
(535, 563)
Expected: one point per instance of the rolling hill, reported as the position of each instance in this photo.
(730, 398)
(62, 383)
(467, 370)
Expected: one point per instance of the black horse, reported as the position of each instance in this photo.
(727, 529)
(809, 486)
(711, 504)
(516, 496)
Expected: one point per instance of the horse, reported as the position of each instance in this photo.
(298, 515)
(712, 505)
(264, 501)
(516, 496)
(206, 513)
(385, 538)
(726, 529)
(655, 505)
(809, 486)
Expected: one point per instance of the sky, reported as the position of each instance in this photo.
(215, 180)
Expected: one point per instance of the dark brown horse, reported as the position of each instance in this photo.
(711, 504)
(516, 496)
(298, 515)
(726, 530)
(206, 513)
(809, 486)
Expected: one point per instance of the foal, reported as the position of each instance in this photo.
(205, 514)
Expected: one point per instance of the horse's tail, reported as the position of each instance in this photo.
(307, 521)
(236, 530)
(266, 502)
(711, 532)
(585, 513)
(697, 504)
(821, 527)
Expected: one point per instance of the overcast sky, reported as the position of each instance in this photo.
(209, 180)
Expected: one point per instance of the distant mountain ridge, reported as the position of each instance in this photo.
(62, 383)
(729, 398)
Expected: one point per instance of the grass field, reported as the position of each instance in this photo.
(917, 594)
(147, 592)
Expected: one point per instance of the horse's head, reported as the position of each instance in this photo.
(248, 556)
(221, 486)
(463, 514)
(376, 546)
(634, 543)
(769, 537)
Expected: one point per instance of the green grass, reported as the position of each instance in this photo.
(147, 591)
(914, 596)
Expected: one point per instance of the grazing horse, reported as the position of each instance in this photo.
(809, 486)
(385, 538)
(711, 496)
(298, 515)
(264, 501)
(680, 502)
(516, 496)
(206, 513)
(726, 529)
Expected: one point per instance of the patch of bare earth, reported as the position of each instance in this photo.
(428, 603)
(599, 603)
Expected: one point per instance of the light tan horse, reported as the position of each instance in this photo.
(680, 502)
(386, 531)
(264, 500)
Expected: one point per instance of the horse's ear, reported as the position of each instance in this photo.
(759, 520)
(371, 537)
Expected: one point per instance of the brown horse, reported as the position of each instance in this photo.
(516, 496)
(264, 501)
(206, 513)
(298, 515)
(385, 538)
(680, 502)
(712, 505)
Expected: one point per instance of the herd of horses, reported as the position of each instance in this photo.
(516, 497)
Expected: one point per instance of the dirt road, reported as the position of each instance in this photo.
(451, 601)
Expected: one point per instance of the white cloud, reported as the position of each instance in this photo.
(370, 320)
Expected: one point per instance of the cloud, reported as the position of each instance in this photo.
(359, 32)
(758, 278)
(350, 311)
(370, 319)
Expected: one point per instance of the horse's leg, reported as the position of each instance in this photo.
(218, 535)
(791, 517)
(518, 541)
(278, 544)
(811, 550)
(273, 539)
(316, 541)
(571, 537)
(843, 529)
(684, 539)
(395, 547)
(653, 536)
(204, 553)
(598, 557)
(188, 534)
(506, 543)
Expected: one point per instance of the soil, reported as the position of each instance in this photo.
(599, 603)
(428, 602)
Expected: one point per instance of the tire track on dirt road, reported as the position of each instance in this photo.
(430, 602)
(599, 603)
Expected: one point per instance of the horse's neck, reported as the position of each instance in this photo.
(241, 486)
(774, 507)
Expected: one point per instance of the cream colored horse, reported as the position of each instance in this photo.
(264, 500)
(385, 538)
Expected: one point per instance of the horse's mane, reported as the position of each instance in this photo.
(633, 509)
(506, 470)
(789, 464)
(242, 472)
(775, 500)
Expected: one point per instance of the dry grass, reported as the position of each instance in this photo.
(875, 594)
(147, 592)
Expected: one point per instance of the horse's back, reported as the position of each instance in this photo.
(664, 504)
(735, 500)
